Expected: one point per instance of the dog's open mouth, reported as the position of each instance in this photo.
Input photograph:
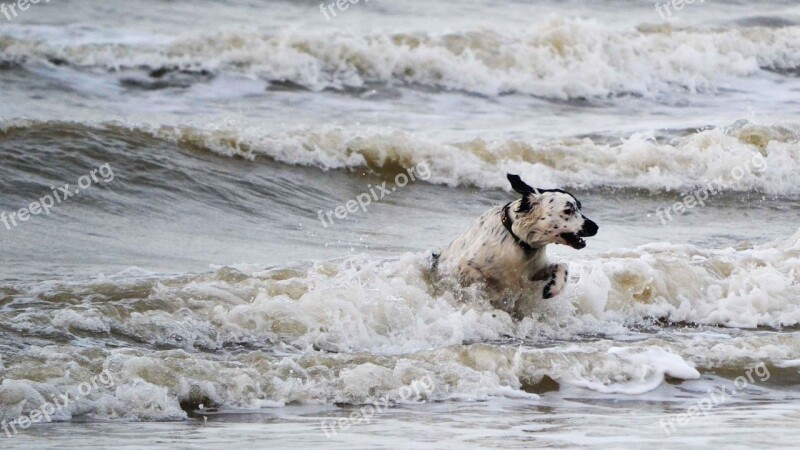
(573, 240)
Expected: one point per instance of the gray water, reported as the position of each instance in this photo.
(189, 296)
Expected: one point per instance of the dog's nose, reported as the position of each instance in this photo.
(589, 229)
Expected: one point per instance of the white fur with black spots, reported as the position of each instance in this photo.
(505, 249)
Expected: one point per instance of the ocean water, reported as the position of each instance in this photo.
(189, 296)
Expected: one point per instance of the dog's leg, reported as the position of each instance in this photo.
(557, 280)
(470, 274)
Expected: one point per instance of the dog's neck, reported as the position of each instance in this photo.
(508, 223)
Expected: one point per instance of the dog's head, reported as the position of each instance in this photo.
(549, 216)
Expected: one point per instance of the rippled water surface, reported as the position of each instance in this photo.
(188, 296)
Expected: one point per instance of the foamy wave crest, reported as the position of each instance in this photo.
(745, 288)
(360, 330)
(166, 385)
(557, 58)
(744, 156)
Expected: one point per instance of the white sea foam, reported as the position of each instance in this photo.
(378, 325)
(557, 57)
(768, 156)
(638, 161)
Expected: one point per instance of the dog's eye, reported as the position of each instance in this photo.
(568, 211)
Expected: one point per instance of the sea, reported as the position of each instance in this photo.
(188, 258)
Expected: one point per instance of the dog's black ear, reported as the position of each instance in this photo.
(520, 186)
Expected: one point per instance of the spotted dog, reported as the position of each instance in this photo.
(505, 248)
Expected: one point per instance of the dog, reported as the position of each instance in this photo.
(505, 249)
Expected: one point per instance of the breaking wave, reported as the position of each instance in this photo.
(358, 330)
(746, 156)
(557, 58)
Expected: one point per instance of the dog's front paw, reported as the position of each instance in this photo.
(557, 281)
